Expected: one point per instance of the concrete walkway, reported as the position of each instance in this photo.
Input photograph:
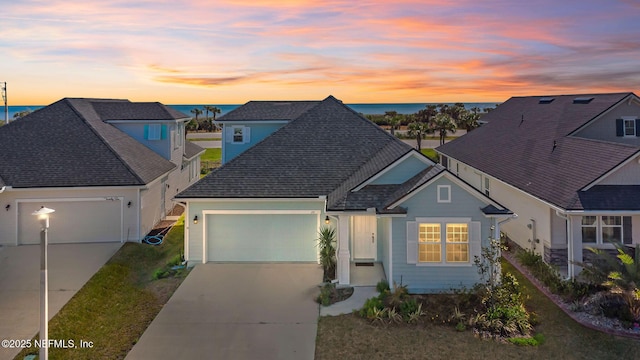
(237, 311)
(355, 302)
(70, 267)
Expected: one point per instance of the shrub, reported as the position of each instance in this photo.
(407, 307)
(325, 294)
(397, 296)
(371, 308)
(160, 274)
(382, 286)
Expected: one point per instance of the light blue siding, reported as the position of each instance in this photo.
(258, 133)
(263, 237)
(402, 172)
(138, 132)
(440, 278)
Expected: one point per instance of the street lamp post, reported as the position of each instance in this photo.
(43, 216)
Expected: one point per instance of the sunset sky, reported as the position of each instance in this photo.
(233, 51)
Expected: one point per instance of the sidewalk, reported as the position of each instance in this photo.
(355, 302)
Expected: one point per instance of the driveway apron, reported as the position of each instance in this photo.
(70, 267)
(237, 311)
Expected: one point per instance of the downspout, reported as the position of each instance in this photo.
(567, 221)
(139, 210)
(2, 189)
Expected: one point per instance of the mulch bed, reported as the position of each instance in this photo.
(576, 316)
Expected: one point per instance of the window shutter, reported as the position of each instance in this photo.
(163, 132)
(627, 230)
(228, 134)
(619, 127)
(412, 242)
(476, 240)
(246, 135)
(637, 127)
(146, 132)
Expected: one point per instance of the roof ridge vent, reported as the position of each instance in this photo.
(583, 100)
(546, 100)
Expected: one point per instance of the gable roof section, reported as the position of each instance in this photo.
(527, 145)
(319, 153)
(269, 110)
(428, 176)
(66, 144)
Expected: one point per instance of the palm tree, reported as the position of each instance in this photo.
(393, 119)
(442, 123)
(214, 110)
(196, 112)
(418, 130)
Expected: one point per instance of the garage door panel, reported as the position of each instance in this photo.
(72, 221)
(262, 237)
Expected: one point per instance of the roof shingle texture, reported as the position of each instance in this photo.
(311, 156)
(517, 146)
(67, 144)
(269, 110)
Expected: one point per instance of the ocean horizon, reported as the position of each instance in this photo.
(367, 109)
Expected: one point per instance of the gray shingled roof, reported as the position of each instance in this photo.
(126, 110)
(67, 144)
(611, 197)
(269, 110)
(313, 155)
(517, 146)
(191, 149)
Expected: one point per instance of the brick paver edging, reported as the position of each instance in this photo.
(558, 301)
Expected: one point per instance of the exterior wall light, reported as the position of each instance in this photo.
(326, 220)
(129, 204)
(195, 219)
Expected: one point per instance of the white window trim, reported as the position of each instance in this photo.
(446, 199)
(233, 134)
(599, 226)
(443, 235)
(624, 126)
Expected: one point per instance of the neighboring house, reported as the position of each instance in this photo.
(109, 169)
(325, 164)
(568, 165)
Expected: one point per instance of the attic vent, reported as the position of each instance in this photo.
(546, 100)
(582, 100)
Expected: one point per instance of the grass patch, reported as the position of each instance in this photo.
(352, 337)
(212, 154)
(117, 304)
(431, 154)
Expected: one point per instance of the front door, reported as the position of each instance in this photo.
(364, 237)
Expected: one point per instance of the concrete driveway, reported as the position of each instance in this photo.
(70, 267)
(237, 311)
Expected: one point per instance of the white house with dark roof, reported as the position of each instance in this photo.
(325, 165)
(567, 164)
(109, 169)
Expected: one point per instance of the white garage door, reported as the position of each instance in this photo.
(74, 221)
(262, 237)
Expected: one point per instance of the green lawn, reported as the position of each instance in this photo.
(117, 304)
(212, 154)
(349, 336)
(431, 154)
